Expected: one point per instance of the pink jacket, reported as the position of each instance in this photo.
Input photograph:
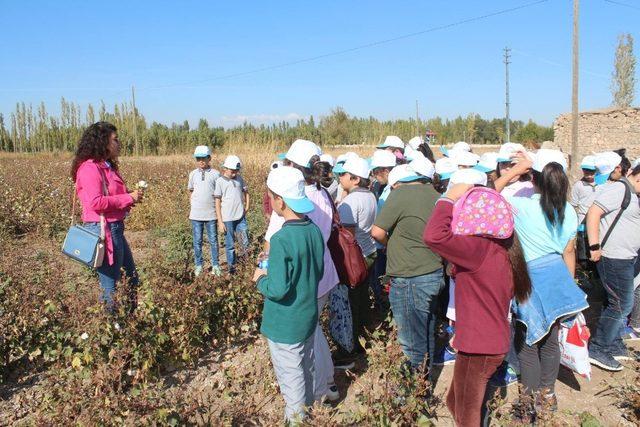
(114, 207)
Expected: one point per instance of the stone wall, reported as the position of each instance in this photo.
(601, 130)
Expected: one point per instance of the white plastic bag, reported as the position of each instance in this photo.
(574, 349)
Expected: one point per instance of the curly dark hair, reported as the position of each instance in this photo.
(93, 145)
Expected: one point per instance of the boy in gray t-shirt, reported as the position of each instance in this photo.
(232, 203)
(201, 184)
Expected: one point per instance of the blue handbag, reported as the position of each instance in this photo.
(83, 245)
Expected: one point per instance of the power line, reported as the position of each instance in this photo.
(355, 48)
(623, 4)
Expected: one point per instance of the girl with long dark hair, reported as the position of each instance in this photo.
(103, 193)
(546, 225)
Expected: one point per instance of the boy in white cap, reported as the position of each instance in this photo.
(202, 184)
(290, 287)
(232, 204)
(582, 195)
(357, 212)
(415, 271)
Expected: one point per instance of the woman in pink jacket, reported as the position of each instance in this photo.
(102, 192)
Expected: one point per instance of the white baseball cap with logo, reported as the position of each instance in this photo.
(277, 164)
(342, 158)
(458, 146)
(605, 164)
(507, 150)
(383, 159)
(232, 162)
(635, 163)
(289, 183)
(445, 167)
(392, 141)
(488, 162)
(544, 156)
(301, 152)
(358, 167)
(463, 157)
(468, 176)
(201, 151)
(415, 142)
(327, 158)
(423, 166)
(402, 173)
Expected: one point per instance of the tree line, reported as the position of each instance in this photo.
(32, 129)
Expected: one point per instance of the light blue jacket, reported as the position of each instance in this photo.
(554, 295)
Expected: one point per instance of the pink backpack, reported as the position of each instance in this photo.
(482, 211)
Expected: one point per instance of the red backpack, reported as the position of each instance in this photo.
(345, 252)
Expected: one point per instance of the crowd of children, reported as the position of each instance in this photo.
(492, 242)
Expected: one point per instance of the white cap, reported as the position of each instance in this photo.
(605, 164)
(415, 142)
(288, 183)
(232, 162)
(461, 145)
(468, 176)
(383, 159)
(401, 173)
(346, 156)
(392, 141)
(544, 156)
(488, 162)
(277, 164)
(463, 157)
(301, 152)
(423, 166)
(635, 163)
(327, 158)
(508, 149)
(201, 151)
(358, 167)
(445, 167)
(588, 163)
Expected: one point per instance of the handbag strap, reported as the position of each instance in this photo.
(626, 200)
(336, 216)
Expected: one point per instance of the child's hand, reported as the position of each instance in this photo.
(222, 229)
(256, 274)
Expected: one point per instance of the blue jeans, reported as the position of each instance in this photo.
(109, 275)
(413, 304)
(212, 234)
(238, 226)
(617, 279)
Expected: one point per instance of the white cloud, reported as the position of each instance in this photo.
(261, 118)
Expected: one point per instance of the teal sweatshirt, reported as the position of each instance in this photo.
(290, 287)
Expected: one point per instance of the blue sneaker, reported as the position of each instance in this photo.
(629, 334)
(504, 376)
(604, 360)
(446, 357)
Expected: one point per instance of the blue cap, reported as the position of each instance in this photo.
(588, 167)
(282, 156)
(445, 175)
(301, 206)
(444, 150)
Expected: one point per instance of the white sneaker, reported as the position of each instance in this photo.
(198, 270)
(216, 271)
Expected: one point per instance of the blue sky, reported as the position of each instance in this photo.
(174, 52)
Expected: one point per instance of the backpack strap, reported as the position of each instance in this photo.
(625, 204)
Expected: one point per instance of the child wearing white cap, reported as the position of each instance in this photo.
(395, 145)
(290, 287)
(232, 204)
(520, 186)
(415, 271)
(582, 195)
(357, 212)
(203, 215)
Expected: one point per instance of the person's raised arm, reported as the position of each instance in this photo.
(520, 168)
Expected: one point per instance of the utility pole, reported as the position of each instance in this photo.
(574, 91)
(135, 118)
(507, 120)
(417, 120)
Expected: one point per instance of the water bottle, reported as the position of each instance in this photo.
(263, 261)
